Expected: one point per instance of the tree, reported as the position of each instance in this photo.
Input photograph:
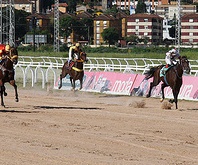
(141, 7)
(20, 23)
(46, 4)
(110, 35)
(66, 26)
(132, 39)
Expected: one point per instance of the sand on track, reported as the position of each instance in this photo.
(55, 127)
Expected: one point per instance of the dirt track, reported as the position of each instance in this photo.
(62, 127)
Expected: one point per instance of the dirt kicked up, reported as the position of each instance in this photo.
(57, 127)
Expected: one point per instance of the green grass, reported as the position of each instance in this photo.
(154, 53)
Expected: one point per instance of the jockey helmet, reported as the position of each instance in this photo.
(7, 47)
(77, 44)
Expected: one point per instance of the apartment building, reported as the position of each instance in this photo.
(171, 11)
(102, 22)
(189, 29)
(146, 25)
(29, 6)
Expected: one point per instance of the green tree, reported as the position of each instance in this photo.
(110, 35)
(132, 39)
(85, 30)
(66, 25)
(141, 7)
(20, 24)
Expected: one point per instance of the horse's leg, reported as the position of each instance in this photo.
(149, 93)
(80, 84)
(4, 91)
(12, 82)
(60, 85)
(175, 95)
(72, 83)
(2, 102)
(1, 90)
(62, 75)
(162, 89)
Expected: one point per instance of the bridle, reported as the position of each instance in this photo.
(185, 64)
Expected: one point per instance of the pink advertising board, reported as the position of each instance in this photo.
(109, 82)
(188, 90)
(131, 84)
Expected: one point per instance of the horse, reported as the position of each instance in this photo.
(76, 72)
(7, 73)
(172, 78)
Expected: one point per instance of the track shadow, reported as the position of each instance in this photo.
(14, 111)
(193, 109)
(57, 107)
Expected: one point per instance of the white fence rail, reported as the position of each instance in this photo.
(33, 66)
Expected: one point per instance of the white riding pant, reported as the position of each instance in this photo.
(168, 59)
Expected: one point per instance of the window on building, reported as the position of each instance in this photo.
(146, 34)
(145, 27)
(190, 20)
(191, 40)
(98, 36)
(190, 34)
(191, 27)
(136, 28)
(136, 20)
(105, 23)
(145, 20)
(98, 29)
(97, 23)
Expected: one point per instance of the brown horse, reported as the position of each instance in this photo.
(76, 72)
(7, 73)
(172, 78)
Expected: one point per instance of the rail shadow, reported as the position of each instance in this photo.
(14, 111)
(65, 107)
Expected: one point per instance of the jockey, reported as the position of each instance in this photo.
(2, 50)
(171, 57)
(72, 51)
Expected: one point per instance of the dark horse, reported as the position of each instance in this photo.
(172, 78)
(7, 73)
(76, 72)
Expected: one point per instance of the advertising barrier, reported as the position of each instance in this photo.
(131, 84)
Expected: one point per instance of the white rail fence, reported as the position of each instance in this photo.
(33, 67)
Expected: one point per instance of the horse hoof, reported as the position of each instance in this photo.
(147, 96)
(171, 101)
(17, 100)
(161, 100)
(5, 94)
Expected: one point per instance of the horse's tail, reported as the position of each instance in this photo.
(150, 73)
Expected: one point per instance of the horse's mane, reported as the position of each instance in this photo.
(14, 50)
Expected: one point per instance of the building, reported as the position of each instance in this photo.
(42, 21)
(102, 22)
(170, 12)
(29, 6)
(189, 29)
(146, 25)
(62, 7)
